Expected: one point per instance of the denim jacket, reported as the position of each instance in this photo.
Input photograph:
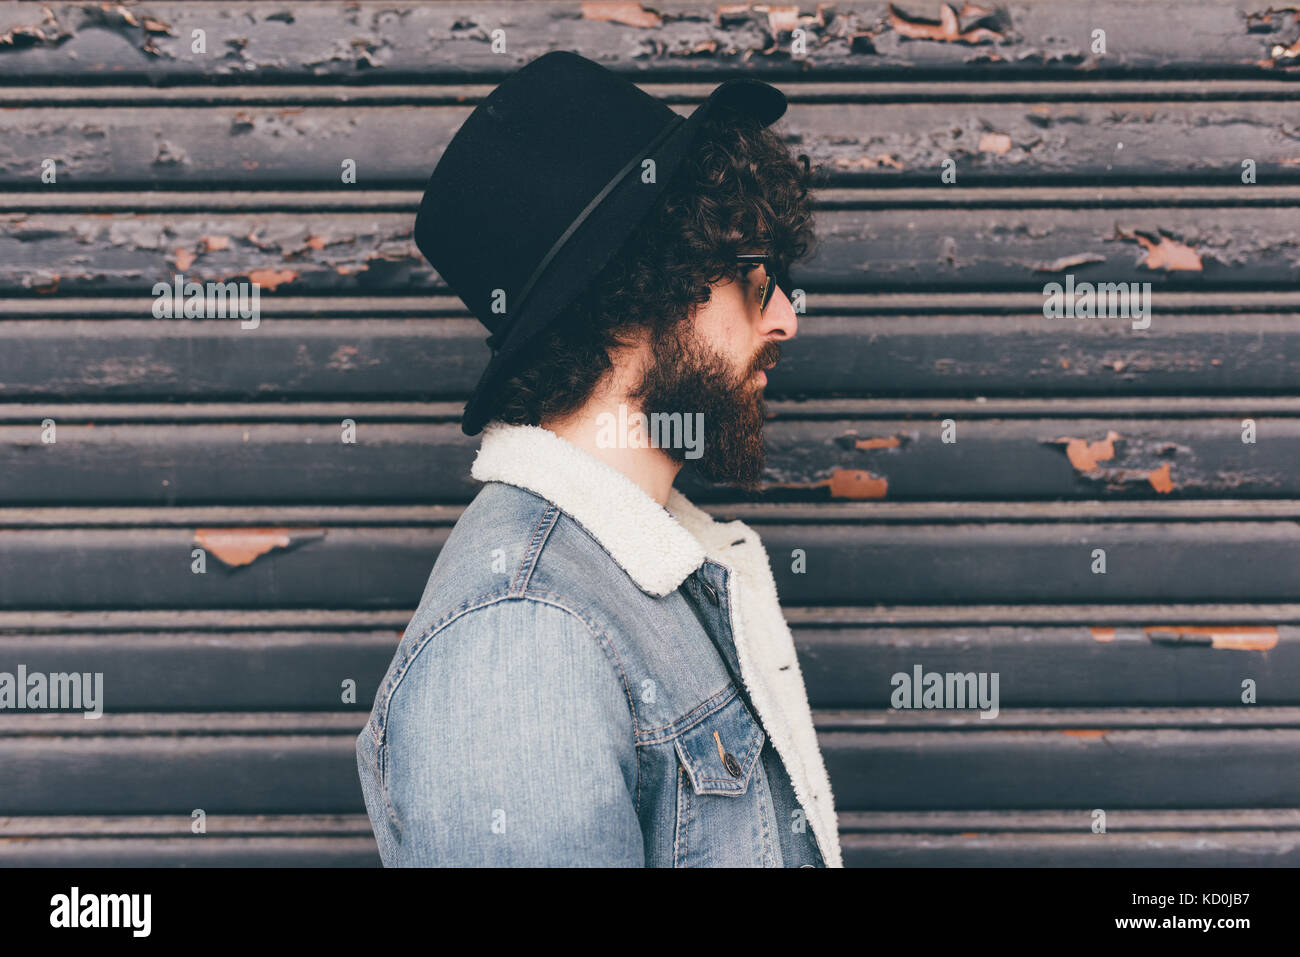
(591, 679)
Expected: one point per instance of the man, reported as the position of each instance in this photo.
(598, 673)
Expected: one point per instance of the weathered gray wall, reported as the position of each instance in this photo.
(1119, 691)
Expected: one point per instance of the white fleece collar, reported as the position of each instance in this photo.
(646, 540)
(658, 547)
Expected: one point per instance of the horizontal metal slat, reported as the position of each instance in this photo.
(1027, 769)
(99, 462)
(441, 359)
(894, 251)
(1164, 661)
(388, 567)
(1016, 143)
(418, 42)
(239, 764)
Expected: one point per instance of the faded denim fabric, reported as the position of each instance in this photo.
(543, 710)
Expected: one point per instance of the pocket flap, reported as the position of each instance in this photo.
(720, 752)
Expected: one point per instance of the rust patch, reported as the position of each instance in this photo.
(1085, 455)
(855, 483)
(315, 242)
(997, 143)
(214, 243)
(1231, 637)
(948, 29)
(1161, 481)
(241, 546)
(1224, 637)
(1085, 732)
(1163, 252)
(844, 483)
(627, 12)
(887, 442)
(868, 162)
(184, 259)
(270, 278)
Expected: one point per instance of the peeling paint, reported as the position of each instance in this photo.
(996, 143)
(875, 161)
(45, 283)
(948, 29)
(243, 546)
(856, 483)
(1223, 637)
(120, 20)
(886, 442)
(1161, 479)
(1162, 251)
(1282, 54)
(843, 483)
(271, 278)
(1232, 637)
(627, 12)
(47, 33)
(1085, 455)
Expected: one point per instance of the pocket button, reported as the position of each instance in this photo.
(731, 764)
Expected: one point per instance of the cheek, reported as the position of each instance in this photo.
(724, 322)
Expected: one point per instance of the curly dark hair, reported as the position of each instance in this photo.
(739, 190)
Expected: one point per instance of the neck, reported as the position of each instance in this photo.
(648, 467)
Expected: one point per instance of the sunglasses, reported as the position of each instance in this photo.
(769, 281)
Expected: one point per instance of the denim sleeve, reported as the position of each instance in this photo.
(510, 743)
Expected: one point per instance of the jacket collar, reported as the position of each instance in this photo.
(658, 547)
(651, 543)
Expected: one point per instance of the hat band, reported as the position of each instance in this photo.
(494, 340)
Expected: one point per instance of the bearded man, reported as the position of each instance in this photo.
(598, 672)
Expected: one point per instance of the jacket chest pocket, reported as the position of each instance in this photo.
(725, 816)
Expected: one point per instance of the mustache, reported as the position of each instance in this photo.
(768, 354)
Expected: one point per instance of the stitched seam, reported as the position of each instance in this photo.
(545, 598)
(693, 717)
(540, 534)
(391, 688)
(767, 832)
(681, 841)
(558, 601)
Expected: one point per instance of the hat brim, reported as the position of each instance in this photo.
(603, 233)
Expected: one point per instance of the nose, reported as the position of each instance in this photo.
(779, 320)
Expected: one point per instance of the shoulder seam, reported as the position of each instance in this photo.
(541, 532)
(379, 731)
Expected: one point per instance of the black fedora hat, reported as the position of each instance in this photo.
(540, 187)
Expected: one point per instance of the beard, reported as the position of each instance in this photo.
(688, 376)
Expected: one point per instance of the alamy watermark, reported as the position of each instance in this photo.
(214, 300)
(930, 689)
(56, 691)
(75, 909)
(1105, 300)
(658, 430)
